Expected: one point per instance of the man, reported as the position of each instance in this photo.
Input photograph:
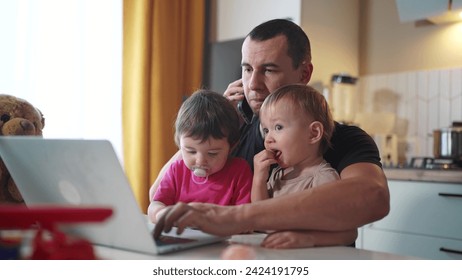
(274, 54)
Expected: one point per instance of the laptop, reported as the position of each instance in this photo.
(88, 173)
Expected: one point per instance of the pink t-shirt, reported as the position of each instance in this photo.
(229, 186)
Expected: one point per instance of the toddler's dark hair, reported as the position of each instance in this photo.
(207, 114)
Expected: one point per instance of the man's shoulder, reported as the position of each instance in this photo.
(350, 136)
(351, 144)
(341, 128)
(345, 132)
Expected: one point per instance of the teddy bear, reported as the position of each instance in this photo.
(17, 117)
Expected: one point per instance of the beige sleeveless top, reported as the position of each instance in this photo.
(277, 186)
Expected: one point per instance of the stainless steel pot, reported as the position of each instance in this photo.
(447, 143)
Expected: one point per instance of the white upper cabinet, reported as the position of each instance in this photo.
(411, 10)
(236, 18)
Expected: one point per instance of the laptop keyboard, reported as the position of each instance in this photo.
(170, 240)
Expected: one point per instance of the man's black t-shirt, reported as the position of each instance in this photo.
(250, 141)
(350, 144)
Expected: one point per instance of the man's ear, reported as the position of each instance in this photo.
(316, 132)
(306, 71)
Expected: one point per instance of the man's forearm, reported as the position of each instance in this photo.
(337, 206)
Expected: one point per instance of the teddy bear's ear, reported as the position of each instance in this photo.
(41, 117)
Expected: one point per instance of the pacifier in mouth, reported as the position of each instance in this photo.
(200, 173)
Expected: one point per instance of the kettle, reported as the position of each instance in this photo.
(343, 97)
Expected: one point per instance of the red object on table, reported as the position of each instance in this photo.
(45, 219)
(23, 217)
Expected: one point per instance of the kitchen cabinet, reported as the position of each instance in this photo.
(410, 10)
(424, 221)
(234, 19)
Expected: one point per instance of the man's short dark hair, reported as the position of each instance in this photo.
(299, 48)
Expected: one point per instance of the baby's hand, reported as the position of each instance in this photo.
(288, 239)
(263, 160)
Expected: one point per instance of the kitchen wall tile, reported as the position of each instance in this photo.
(422, 85)
(422, 124)
(445, 83)
(456, 82)
(433, 108)
(444, 112)
(402, 106)
(422, 100)
(411, 99)
(456, 111)
(433, 114)
(422, 112)
(432, 80)
(456, 94)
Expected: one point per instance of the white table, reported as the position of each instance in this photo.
(213, 252)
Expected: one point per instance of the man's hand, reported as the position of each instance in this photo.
(235, 92)
(209, 218)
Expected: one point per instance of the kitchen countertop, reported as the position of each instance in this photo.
(425, 175)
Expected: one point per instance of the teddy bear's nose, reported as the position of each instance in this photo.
(27, 126)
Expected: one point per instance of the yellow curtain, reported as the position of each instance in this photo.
(162, 63)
